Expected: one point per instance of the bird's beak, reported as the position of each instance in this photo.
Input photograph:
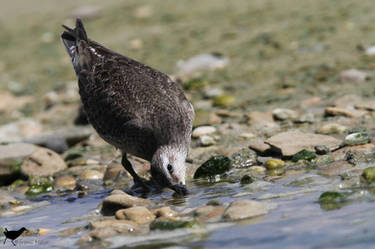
(180, 189)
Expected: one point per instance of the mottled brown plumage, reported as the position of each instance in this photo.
(134, 107)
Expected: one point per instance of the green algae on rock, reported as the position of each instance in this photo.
(246, 179)
(214, 166)
(303, 155)
(368, 175)
(40, 188)
(171, 225)
(332, 200)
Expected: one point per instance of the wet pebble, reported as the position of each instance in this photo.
(246, 179)
(214, 166)
(163, 224)
(165, 212)
(259, 145)
(203, 130)
(43, 162)
(368, 175)
(90, 174)
(209, 213)
(303, 155)
(140, 215)
(113, 171)
(244, 158)
(321, 149)
(284, 114)
(244, 209)
(121, 200)
(357, 138)
(109, 228)
(65, 182)
(274, 164)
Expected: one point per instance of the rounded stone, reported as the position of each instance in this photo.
(140, 215)
(206, 140)
(42, 162)
(244, 209)
(203, 130)
(165, 212)
(115, 202)
(90, 174)
(65, 182)
(274, 164)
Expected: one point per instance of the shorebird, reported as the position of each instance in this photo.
(12, 235)
(134, 107)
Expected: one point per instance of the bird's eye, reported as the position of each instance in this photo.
(170, 168)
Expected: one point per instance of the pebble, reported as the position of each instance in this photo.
(42, 162)
(203, 130)
(165, 212)
(357, 138)
(140, 215)
(212, 92)
(90, 174)
(166, 224)
(368, 175)
(332, 128)
(337, 111)
(274, 164)
(335, 168)
(321, 149)
(224, 101)
(370, 50)
(65, 182)
(113, 171)
(257, 170)
(244, 158)
(366, 105)
(354, 75)
(209, 213)
(284, 114)
(246, 179)
(244, 209)
(291, 142)
(201, 62)
(259, 145)
(206, 140)
(122, 200)
(109, 228)
(260, 119)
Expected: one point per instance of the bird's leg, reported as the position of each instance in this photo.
(13, 243)
(128, 166)
(5, 240)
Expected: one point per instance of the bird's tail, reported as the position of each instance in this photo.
(72, 40)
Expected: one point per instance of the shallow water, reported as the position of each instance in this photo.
(295, 219)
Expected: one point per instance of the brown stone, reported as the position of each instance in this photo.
(115, 202)
(43, 162)
(140, 215)
(291, 142)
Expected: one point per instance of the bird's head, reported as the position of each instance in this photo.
(168, 168)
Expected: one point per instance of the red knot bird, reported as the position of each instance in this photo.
(134, 107)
